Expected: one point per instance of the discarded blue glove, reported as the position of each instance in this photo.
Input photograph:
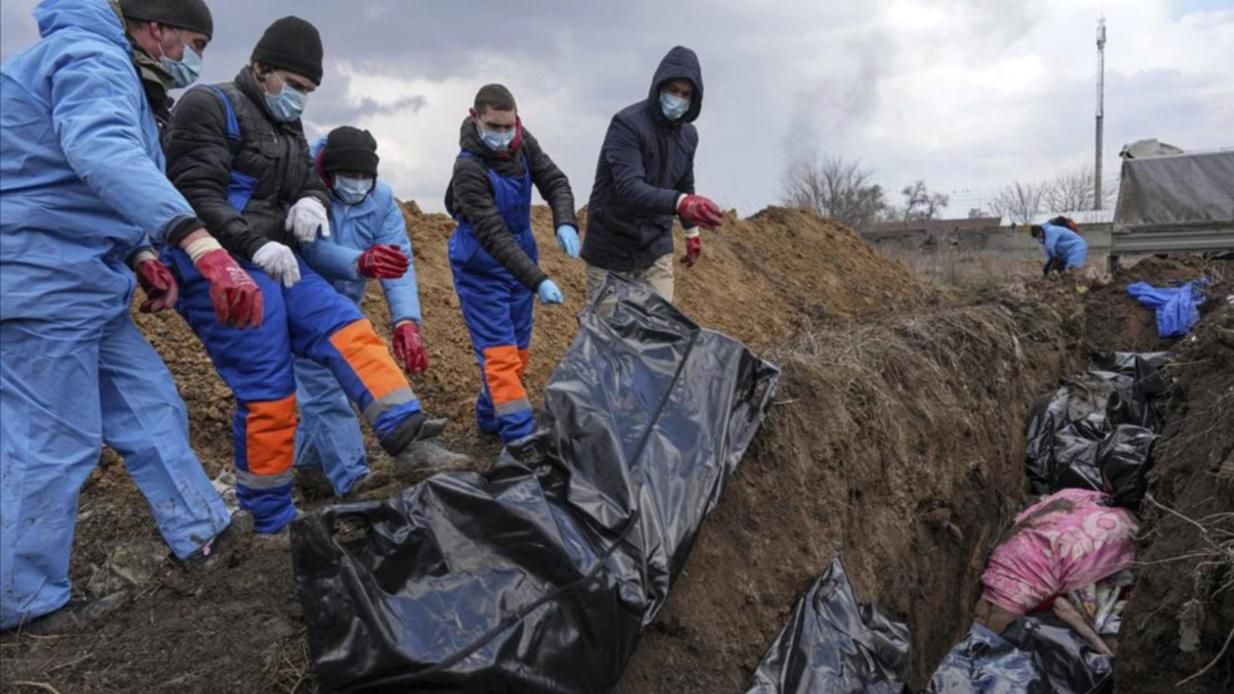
(549, 293)
(567, 238)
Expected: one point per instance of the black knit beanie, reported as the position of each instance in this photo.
(350, 149)
(192, 15)
(291, 44)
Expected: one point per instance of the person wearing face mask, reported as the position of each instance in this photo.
(238, 153)
(368, 240)
(644, 177)
(82, 188)
(493, 256)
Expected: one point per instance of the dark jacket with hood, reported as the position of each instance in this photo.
(470, 196)
(646, 163)
(200, 159)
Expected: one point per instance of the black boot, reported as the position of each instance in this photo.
(417, 427)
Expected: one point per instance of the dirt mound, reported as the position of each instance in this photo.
(1115, 321)
(1181, 613)
(898, 445)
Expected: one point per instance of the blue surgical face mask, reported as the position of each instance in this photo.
(352, 191)
(497, 141)
(184, 71)
(673, 106)
(287, 105)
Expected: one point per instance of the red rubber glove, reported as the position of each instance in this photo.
(694, 248)
(236, 297)
(409, 348)
(698, 211)
(383, 263)
(158, 283)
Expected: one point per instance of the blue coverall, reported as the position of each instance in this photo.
(497, 309)
(81, 187)
(1064, 244)
(329, 433)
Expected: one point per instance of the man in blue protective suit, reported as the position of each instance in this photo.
(1064, 248)
(368, 240)
(238, 153)
(82, 193)
(493, 256)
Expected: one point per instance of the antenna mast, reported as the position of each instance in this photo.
(1100, 111)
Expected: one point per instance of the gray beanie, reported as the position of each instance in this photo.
(192, 15)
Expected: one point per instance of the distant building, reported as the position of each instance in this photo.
(935, 227)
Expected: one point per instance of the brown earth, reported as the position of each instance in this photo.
(1181, 613)
(896, 442)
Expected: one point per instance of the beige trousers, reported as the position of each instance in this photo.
(659, 277)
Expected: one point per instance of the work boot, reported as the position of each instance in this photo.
(417, 427)
(423, 458)
(228, 546)
(373, 480)
(76, 616)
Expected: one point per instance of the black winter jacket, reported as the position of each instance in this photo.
(646, 163)
(200, 159)
(470, 197)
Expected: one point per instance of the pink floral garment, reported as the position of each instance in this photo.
(1060, 544)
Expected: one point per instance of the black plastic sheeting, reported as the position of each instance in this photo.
(834, 644)
(1097, 430)
(541, 580)
(1037, 654)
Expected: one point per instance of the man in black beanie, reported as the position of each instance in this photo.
(169, 39)
(238, 153)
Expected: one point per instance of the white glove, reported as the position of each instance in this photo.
(279, 263)
(305, 218)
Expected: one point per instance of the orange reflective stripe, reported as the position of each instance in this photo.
(501, 372)
(524, 356)
(368, 357)
(270, 435)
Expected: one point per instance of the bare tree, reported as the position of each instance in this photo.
(835, 188)
(920, 203)
(1073, 191)
(976, 213)
(1019, 202)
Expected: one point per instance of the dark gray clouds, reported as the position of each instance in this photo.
(967, 95)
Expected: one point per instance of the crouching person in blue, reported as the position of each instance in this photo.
(368, 240)
(1064, 248)
(494, 258)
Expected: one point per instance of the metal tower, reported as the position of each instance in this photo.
(1100, 111)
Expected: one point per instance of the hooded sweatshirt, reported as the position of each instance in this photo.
(646, 163)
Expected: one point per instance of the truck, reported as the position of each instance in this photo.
(1174, 203)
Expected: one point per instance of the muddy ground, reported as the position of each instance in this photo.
(896, 442)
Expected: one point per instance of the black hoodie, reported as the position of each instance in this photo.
(646, 163)
(470, 196)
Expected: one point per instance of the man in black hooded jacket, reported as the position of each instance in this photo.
(644, 177)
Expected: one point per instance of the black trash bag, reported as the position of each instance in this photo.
(1037, 654)
(1068, 431)
(523, 580)
(832, 644)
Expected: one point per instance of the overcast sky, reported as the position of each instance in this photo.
(966, 95)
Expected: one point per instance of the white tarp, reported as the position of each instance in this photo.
(1196, 188)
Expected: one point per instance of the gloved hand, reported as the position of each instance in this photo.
(549, 293)
(698, 211)
(383, 263)
(157, 282)
(306, 218)
(409, 348)
(236, 297)
(694, 249)
(567, 238)
(279, 263)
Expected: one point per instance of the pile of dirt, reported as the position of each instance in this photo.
(1181, 616)
(897, 445)
(1116, 322)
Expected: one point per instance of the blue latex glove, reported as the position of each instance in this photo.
(567, 238)
(549, 293)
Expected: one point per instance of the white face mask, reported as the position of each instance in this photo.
(352, 191)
